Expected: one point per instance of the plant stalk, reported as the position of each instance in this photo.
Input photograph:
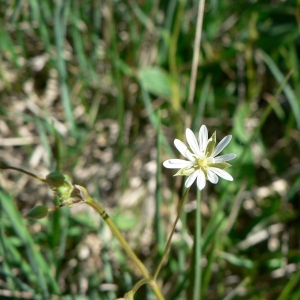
(168, 245)
(135, 288)
(8, 167)
(197, 249)
(103, 214)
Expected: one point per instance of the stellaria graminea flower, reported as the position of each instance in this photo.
(203, 162)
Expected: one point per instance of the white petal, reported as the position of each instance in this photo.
(212, 177)
(225, 157)
(192, 141)
(203, 137)
(190, 156)
(201, 181)
(223, 174)
(176, 164)
(224, 142)
(191, 179)
(181, 147)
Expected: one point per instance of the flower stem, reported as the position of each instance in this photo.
(100, 210)
(168, 245)
(197, 253)
(5, 166)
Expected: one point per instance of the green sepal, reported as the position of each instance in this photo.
(78, 195)
(211, 145)
(185, 171)
(222, 165)
(37, 212)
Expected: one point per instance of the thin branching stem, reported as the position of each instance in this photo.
(100, 210)
(168, 245)
(135, 288)
(5, 166)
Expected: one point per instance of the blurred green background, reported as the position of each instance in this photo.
(98, 90)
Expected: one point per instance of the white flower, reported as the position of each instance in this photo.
(203, 162)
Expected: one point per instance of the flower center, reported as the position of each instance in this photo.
(202, 162)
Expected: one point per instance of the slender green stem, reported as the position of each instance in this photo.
(135, 288)
(91, 202)
(176, 104)
(100, 210)
(158, 217)
(181, 203)
(5, 166)
(60, 24)
(197, 254)
(117, 73)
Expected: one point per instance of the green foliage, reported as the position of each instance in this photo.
(155, 81)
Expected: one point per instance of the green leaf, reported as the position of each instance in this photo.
(125, 222)
(237, 261)
(155, 81)
(239, 131)
(288, 91)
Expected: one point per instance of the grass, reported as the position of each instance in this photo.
(99, 90)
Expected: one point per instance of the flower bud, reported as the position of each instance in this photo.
(37, 212)
(60, 185)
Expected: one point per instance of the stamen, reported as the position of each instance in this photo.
(202, 162)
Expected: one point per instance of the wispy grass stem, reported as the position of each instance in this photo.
(195, 63)
(168, 245)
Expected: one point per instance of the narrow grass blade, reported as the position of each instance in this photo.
(4, 267)
(158, 198)
(60, 19)
(153, 119)
(37, 15)
(293, 283)
(235, 292)
(37, 262)
(44, 139)
(198, 115)
(117, 78)
(208, 270)
(288, 91)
